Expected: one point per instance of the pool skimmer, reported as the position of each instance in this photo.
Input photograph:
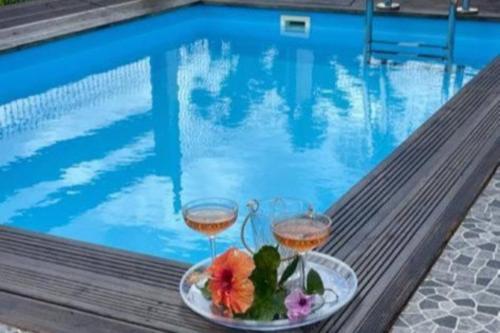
(295, 26)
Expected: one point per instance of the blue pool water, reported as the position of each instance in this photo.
(103, 136)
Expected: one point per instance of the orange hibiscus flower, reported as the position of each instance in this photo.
(229, 283)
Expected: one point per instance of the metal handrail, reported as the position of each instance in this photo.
(448, 47)
(452, 22)
(368, 30)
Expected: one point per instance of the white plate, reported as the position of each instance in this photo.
(336, 275)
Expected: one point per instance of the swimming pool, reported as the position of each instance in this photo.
(103, 136)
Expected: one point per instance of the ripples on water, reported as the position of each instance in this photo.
(104, 136)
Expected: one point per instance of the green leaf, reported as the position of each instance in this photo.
(267, 258)
(262, 309)
(265, 281)
(265, 274)
(279, 307)
(269, 301)
(268, 308)
(314, 283)
(289, 270)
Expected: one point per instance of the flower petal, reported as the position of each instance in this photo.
(229, 283)
(293, 299)
(242, 295)
(241, 263)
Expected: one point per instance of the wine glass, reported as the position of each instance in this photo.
(302, 233)
(210, 216)
(260, 217)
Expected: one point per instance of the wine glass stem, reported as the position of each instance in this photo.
(302, 263)
(211, 239)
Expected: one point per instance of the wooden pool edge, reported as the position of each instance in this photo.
(37, 31)
(406, 10)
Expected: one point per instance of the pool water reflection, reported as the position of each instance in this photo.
(104, 136)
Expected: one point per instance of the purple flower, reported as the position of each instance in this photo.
(298, 304)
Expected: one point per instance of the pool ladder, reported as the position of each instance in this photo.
(375, 47)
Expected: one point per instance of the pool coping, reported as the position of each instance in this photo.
(428, 183)
(408, 9)
(49, 29)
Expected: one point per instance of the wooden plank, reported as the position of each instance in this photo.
(39, 316)
(101, 294)
(29, 34)
(108, 297)
(490, 9)
(41, 11)
(31, 11)
(146, 269)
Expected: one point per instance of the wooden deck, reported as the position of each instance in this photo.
(38, 21)
(489, 9)
(390, 227)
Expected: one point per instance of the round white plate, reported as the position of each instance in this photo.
(336, 275)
